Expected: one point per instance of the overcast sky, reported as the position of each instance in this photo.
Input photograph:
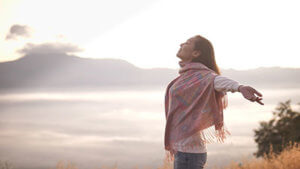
(147, 33)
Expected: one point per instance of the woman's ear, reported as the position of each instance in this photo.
(196, 53)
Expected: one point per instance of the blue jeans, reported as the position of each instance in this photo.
(184, 160)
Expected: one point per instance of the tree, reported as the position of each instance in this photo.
(279, 132)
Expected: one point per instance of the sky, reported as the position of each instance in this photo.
(148, 33)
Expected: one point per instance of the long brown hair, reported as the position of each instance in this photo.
(207, 56)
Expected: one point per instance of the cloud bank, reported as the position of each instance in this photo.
(49, 48)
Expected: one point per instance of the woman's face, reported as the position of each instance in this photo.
(186, 51)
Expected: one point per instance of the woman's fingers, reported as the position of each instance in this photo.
(258, 100)
(248, 92)
(258, 93)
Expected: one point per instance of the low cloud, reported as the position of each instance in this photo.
(18, 31)
(49, 48)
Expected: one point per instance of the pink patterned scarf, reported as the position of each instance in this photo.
(192, 105)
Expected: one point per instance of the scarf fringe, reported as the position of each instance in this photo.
(208, 135)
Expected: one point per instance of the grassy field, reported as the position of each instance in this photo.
(287, 159)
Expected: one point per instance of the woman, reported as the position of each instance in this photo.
(194, 103)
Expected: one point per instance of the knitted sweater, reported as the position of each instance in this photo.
(221, 83)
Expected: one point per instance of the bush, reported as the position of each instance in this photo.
(283, 128)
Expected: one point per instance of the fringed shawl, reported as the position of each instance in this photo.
(193, 105)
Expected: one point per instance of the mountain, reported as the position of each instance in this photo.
(58, 70)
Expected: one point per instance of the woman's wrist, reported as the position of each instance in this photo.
(240, 88)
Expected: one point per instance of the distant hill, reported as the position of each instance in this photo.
(57, 70)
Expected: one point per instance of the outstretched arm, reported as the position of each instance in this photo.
(223, 83)
(248, 93)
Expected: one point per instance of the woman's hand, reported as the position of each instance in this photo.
(248, 93)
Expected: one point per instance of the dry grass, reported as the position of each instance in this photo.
(287, 159)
